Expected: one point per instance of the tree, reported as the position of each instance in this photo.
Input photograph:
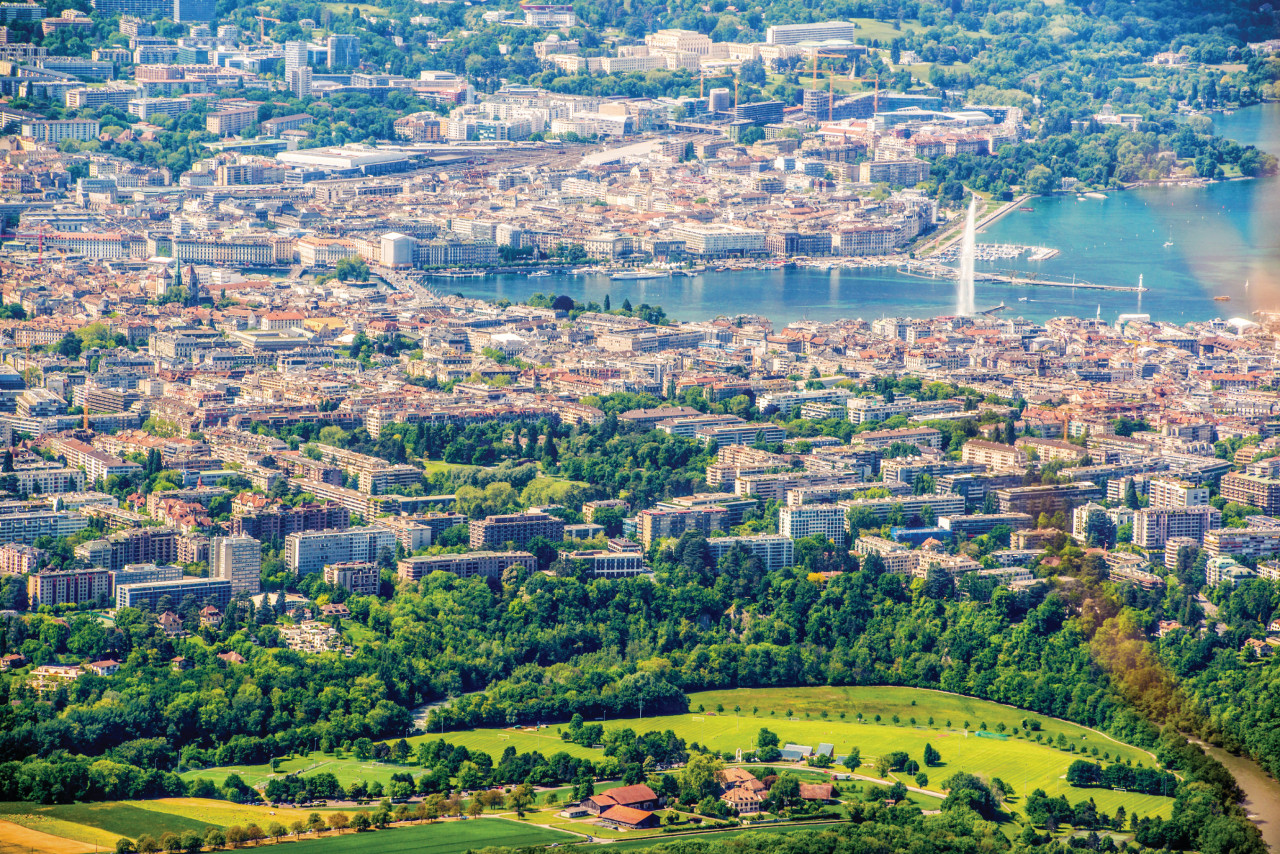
(698, 777)
(276, 830)
(967, 791)
(339, 821)
(520, 799)
(235, 836)
(214, 838)
(475, 808)
(1100, 530)
(124, 845)
(361, 821)
(785, 793)
(1131, 495)
(931, 756)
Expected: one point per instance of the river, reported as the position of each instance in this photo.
(1261, 793)
(1221, 236)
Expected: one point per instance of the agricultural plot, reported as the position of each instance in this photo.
(450, 837)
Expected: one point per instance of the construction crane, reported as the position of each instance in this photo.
(876, 102)
(261, 28)
(702, 81)
(831, 77)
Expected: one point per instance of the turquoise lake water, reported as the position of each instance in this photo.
(1221, 237)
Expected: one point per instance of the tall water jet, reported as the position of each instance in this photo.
(964, 287)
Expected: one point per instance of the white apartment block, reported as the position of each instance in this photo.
(1250, 542)
(827, 520)
(1171, 492)
(56, 130)
(775, 551)
(238, 560)
(312, 551)
(1154, 526)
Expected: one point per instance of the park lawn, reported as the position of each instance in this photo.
(347, 769)
(525, 740)
(449, 837)
(432, 466)
(365, 8)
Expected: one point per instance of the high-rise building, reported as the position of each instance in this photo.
(238, 560)
(185, 11)
(295, 56)
(300, 82)
(344, 51)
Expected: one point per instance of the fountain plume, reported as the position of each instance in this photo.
(964, 286)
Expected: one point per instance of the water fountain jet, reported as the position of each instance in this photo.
(964, 286)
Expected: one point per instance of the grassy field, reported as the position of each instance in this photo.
(1021, 762)
(347, 769)
(451, 837)
(365, 8)
(949, 722)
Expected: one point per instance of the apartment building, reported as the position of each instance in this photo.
(1254, 490)
(363, 577)
(149, 596)
(1035, 500)
(237, 559)
(1154, 526)
(921, 437)
(827, 520)
(138, 545)
(775, 486)
(1174, 492)
(278, 522)
(17, 559)
(994, 455)
(70, 587)
(910, 506)
(312, 551)
(516, 528)
(475, 564)
(1048, 450)
(54, 131)
(608, 564)
(774, 551)
(97, 465)
(26, 528)
(654, 525)
(1249, 542)
(48, 479)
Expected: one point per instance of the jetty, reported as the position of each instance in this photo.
(933, 270)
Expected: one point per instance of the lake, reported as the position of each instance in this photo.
(1220, 237)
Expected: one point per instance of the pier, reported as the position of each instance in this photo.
(934, 270)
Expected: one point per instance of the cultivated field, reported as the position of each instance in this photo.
(450, 837)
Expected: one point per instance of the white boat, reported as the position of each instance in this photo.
(1095, 195)
(538, 274)
(1168, 243)
(637, 274)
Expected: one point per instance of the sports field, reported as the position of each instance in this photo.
(448, 837)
